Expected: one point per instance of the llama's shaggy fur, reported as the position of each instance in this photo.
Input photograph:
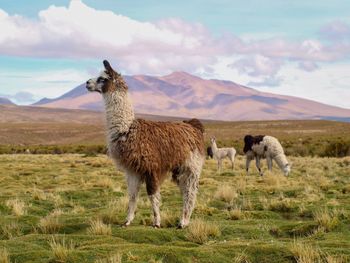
(265, 147)
(147, 151)
(221, 153)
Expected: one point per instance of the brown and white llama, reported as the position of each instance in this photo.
(147, 151)
(264, 146)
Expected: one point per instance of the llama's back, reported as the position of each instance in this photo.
(274, 147)
(231, 152)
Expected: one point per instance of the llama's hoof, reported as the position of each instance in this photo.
(126, 224)
(180, 226)
(156, 226)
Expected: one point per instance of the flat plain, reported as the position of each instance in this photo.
(69, 208)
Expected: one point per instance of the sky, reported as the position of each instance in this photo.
(291, 47)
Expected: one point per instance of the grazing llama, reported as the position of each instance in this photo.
(221, 153)
(147, 151)
(263, 146)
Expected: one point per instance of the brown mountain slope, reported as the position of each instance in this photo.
(182, 94)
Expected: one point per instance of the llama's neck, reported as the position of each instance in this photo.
(214, 147)
(119, 113)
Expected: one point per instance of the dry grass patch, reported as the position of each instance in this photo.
(114, 208)
(203, 207)
(38, 194)
(324, 183)
(241, 184)
(17, 206)
(241, 258)
(284, 205)
(49, 224)
(55, 198)
(115, 258)
(264, 202)
(334, 259)
(60, 249)
(10, 230)
(169, 218)
(326, 219)
(305, 253)
(78, 209)
(226, 193)
(4, 256)
(105, 182)
(97, 227)
(236, 213)
(199, 231)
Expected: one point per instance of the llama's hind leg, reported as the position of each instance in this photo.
(232, 159)
(155, 201)
(134, 182)
(257, 163)
(152, 187)
(189, 187)
(188, 182)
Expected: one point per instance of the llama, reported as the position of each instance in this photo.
(221, 153)
(263, 146)
(147, 150)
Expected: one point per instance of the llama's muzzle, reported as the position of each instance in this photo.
(91, 85)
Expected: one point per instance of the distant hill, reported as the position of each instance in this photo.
(182, 94)
(5, 101)
(30, 125)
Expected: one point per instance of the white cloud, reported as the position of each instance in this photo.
(79, 31)
(51, 83)
(266, 61)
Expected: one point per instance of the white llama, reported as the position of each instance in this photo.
(221, 153)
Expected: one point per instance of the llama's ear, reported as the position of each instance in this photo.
(108, 66)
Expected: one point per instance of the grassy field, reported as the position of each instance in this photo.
(68, 208)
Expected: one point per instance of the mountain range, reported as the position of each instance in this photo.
(184, 95)
(5, 101)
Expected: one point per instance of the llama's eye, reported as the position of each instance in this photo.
(100, 79)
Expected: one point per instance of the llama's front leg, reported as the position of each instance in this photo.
(134, 182)
(189, 189)
(233, 162)
(219, 165)
(247, 163)
(155, 201)
(257, 162)
(269, 163)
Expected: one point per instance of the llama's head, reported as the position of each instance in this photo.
(212, 140)
(286, 169)
(108, 81)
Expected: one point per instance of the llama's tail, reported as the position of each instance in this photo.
(196, 124)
